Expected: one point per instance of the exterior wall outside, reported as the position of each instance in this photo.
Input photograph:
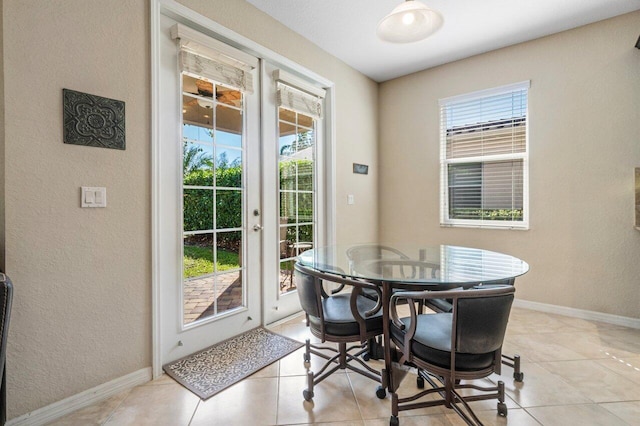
(82, 307)
(583, 131)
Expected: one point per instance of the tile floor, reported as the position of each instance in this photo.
(577, 372)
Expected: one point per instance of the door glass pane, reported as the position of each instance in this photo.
(228, 96)
(212, 199)
(197, 111)
(305, 121)
(197, 164)
(305, 238)
(193, 132)
(228, 291)
(287, 139)
(199, 301)
(288, 173)
(228, 167)
(198, 255)
(197, 209)
(288, 206)
(305, 207)
(228, 251)
(198, 269)
(228, 126)
(287, 240)
(296, 174)
(228, 209)
(287, 278)
(305, 175)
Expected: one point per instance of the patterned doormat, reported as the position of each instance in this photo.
(211, 370)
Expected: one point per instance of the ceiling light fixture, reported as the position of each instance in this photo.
(204, 103)
(410, 21)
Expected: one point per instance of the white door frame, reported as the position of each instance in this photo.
(209, 27)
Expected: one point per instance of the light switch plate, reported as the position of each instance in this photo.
(91, 196)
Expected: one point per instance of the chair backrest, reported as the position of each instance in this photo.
(6, 298)
(309, 292)
(481, 319)
(373, 251)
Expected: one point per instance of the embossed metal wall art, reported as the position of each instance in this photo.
(91, 120)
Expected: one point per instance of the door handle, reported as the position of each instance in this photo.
(257, 227)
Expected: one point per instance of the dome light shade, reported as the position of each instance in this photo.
(410, 21)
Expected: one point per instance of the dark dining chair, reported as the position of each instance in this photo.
(339, 316)
(6, 298)
(448, 348)
(383, 259)
(444, 305)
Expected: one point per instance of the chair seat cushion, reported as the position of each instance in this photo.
(339, 321)
(432, 343)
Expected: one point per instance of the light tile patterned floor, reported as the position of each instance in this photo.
(577, 372)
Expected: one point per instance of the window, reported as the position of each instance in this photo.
(483, 158)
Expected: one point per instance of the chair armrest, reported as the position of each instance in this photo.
(342, 280)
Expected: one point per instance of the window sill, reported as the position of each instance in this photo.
(499, 227)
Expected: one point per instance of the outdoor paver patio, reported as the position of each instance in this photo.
(201, 294)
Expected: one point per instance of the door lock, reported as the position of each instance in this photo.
(257, 227)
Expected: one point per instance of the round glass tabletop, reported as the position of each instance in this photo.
(400, 263)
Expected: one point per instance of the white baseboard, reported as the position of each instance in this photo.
(285, 319)
(91, 396)
(579, 313)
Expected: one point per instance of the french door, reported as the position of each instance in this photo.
(210, 248)
(293, 135)
(240, 189)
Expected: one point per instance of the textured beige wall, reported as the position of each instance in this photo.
(356, 108)
(584, 126)
(82, 310)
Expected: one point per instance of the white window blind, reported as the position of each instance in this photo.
(205, 58)
(297, 95)
(484, 158)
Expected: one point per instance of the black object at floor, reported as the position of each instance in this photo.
(6, 297)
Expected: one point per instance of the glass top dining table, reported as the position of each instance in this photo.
(413, 265)
(410, 267)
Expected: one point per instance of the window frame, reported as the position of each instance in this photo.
(445, 220)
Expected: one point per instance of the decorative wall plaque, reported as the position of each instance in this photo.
(91, 120)
(361, 169)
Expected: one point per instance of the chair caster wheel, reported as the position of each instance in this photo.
(502, 409)
(518, 377)
(308, 396)
(366, 356)
(381, 392)
(393, 421)
(420, 382)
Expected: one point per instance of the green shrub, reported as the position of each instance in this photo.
(487, 214)
(198, 203)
